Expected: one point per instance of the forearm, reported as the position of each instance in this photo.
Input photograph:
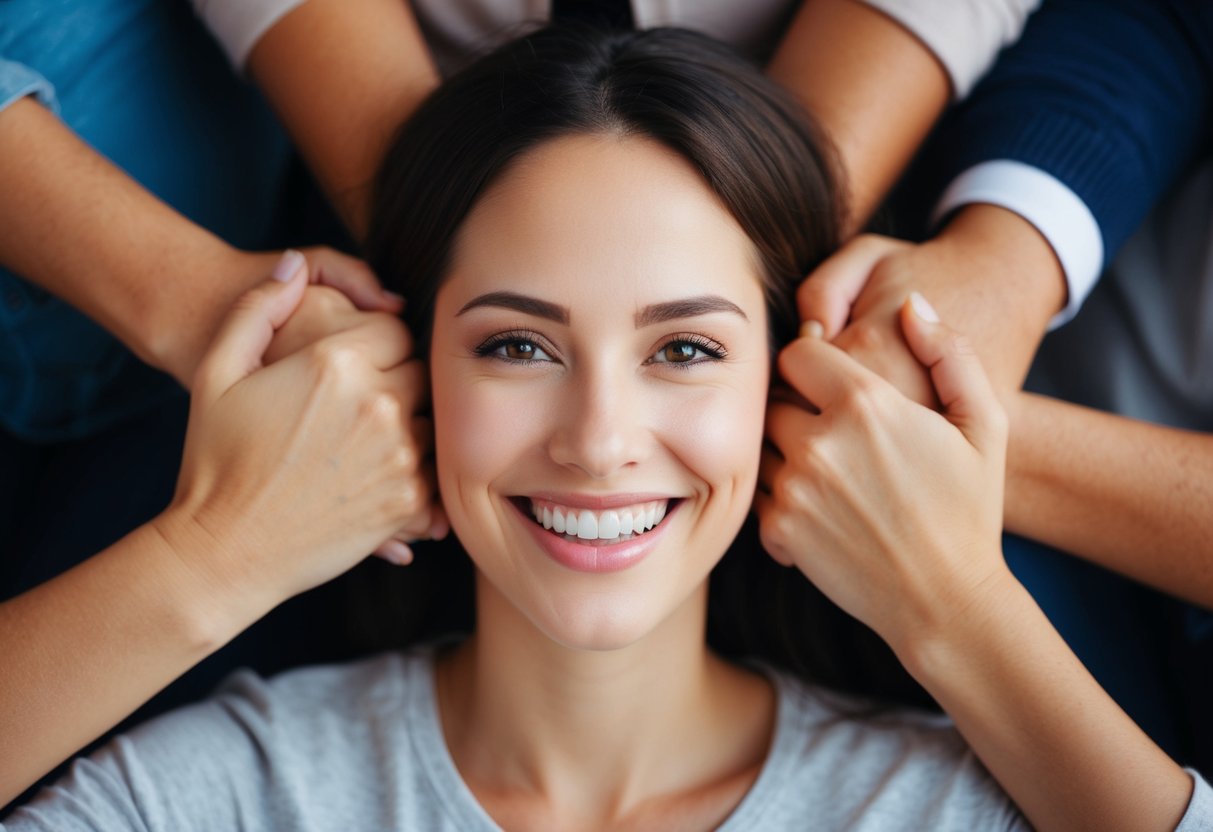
(343, 75)
(872, 85)
(82, 229)
(999, 281)
(84, 650)
(1128, 495)
(1063, 750)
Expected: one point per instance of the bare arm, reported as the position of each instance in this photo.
(874, 87)
(1061, 747)
(1128, 495)
(342, 76)
(894, 512)
(291, 474)
(82, 229)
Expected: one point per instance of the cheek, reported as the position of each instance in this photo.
(718, 432)
(481, 431)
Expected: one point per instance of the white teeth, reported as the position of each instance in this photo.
(625, 521)
(587, 526)
(610, 524)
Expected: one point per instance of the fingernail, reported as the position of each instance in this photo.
(923, 309)
(393, 297)
(438, 530)
(397, 553)
(812, 329)
(289, 265)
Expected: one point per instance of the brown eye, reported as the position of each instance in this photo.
(687, 350)
(520, 350)
(679, 352)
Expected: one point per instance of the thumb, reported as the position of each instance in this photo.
(827, 295)
(961, 384)
(246, 332)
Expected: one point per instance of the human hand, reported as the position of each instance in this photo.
(891, 509)
(180, 350)
(325, 312)
(294, 472)
(855, 296)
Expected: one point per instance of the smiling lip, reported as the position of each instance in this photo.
(596, 556)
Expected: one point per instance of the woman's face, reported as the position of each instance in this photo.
(600, 362)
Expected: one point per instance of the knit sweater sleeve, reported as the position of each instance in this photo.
(1112, 98)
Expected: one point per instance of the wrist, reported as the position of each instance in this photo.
(182, 325)
(945, 642)
(994, 274)
(210, 576)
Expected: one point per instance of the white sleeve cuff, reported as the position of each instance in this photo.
(1056, 212)
(964, 35)
(239, 24)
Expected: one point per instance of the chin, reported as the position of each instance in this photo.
(609, 619)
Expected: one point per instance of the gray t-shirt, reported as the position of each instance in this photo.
(360, 747)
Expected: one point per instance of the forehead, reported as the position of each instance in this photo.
(603, 219)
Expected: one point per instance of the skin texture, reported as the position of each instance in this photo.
(559, 655)
(159, 283)
(894, 511)
(1128, 495)
(291, 475)
(872, 85)
(988, 269)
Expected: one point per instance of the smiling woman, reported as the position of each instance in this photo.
(600, 236)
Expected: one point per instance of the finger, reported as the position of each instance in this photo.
(382, 339)
(823, 373)
(395, 551)
(354, 279)
(764, 508)
(246, 333)
(963, 388)
(788, 428)
(827, 295)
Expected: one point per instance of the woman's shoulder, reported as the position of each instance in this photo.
(847, 762)
(258, 754)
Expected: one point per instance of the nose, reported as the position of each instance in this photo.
(601, 427)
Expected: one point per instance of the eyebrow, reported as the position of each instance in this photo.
(686, 308)
(519, 303)
(653, 314)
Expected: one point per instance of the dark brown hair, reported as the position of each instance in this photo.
(772, 170)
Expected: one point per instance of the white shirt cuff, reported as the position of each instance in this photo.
(1054, 210)
(239, 24)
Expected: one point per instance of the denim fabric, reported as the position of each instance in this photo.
(142, 82)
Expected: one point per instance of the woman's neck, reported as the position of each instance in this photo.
(542, 732)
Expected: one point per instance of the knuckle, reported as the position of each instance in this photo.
(383, 410)
(326, 300)
(335, 358)
(404, 459)
(864, 398)
(794, 493)
(962, 345)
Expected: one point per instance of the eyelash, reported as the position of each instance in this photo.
(514, 336)
(714, 350)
